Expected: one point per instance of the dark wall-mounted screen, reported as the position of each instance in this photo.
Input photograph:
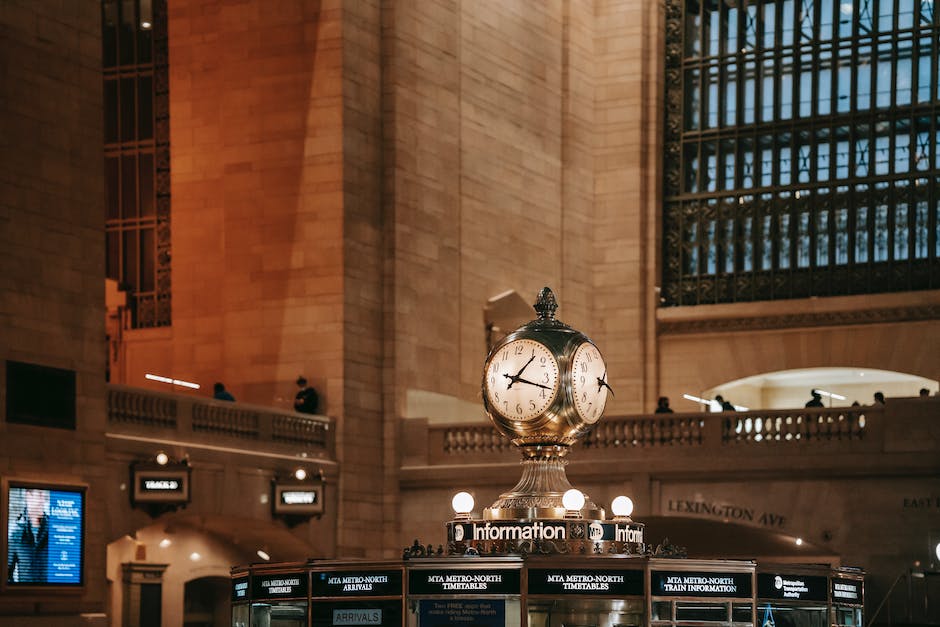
(40, 395)
(45, 535)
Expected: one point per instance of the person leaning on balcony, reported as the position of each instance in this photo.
(306, 400)
(879, 398)
(219, 393)
(816, 401)
(725, 405)
(924, 393)
(662, 406)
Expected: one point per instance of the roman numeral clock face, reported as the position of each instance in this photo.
(521, 380)
(589, 382)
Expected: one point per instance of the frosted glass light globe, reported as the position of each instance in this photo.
(462, 503)
(573, 499)
(622, 506)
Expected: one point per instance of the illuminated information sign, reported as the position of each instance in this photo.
(795, 587)
(586, 581)
(847, 591)
(278, 586)
(45, 536)
(476, 581)
(700, 584)
(355, 583)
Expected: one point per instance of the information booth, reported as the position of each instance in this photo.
(795, 595)
(603, 591)
(357, 593)
(696, 592)
(847, 597)
(461, 591)
(543, 554)
(271, 595)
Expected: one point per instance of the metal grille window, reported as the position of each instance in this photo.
(801, 149)
(137, 155)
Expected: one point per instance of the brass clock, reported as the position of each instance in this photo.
(544, 384)
(521, 379)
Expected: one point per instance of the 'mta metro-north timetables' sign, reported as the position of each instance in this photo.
(279, 586)
(357, 583)
(794, 587)
(465, 581)
(700, 584)
(557, 581)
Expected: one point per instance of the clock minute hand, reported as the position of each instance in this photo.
(519, 374)
(521, 380)
(602, 383)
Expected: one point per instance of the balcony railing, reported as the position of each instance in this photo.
(906, 430)
(144, 412)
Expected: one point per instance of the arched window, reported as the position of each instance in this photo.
(801, 149)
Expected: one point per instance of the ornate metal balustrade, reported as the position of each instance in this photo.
(186, 417)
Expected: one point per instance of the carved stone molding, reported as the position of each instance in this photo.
(800, 319)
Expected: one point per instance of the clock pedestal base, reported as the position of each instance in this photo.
(539, 492)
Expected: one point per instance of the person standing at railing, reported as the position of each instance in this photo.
(816, 401)
(662, 406)
(306, 400)
(879, 398)
(725, 405)
(219, 393)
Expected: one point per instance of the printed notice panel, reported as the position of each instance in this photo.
(847, 591)
(279, 586)
(586, 581)
(700, 584)
(468, 612)
(343, 613)
(794, 587)
(346, 583)
(467, 581)
(44, 536)
(240, 589)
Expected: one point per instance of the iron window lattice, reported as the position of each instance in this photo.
(137, 155)
(801, 149)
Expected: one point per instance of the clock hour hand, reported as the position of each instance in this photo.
(513, 378)
(602, 383)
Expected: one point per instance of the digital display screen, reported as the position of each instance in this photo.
(45, 536)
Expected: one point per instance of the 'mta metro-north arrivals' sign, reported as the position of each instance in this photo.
(357, 583)
(700, 584)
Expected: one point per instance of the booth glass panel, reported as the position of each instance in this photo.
(793, 615)
(586, 613)
(702, 612)
(479, 612)
(847, 616)
(240, 616)
(279, 614)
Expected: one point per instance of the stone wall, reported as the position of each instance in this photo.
(52, 260)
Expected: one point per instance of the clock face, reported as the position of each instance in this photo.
(589, 382)
(521, 380)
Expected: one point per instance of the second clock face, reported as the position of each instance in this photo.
(521, 379)
(589, 382)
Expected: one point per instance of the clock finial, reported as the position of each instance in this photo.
(546, 304)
